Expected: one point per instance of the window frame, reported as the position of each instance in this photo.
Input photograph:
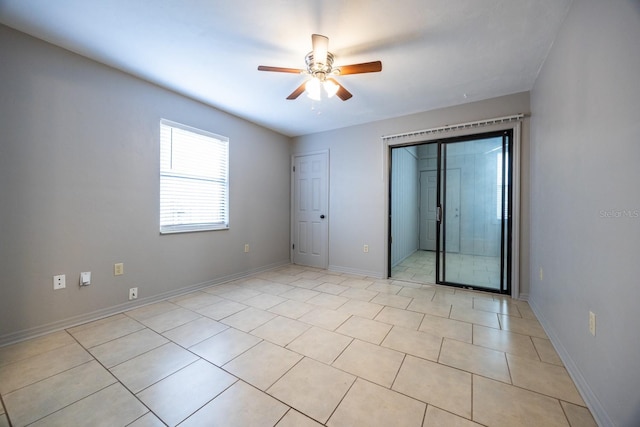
(224, 209)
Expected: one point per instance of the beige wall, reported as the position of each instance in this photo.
(585, 203)
(79, 171)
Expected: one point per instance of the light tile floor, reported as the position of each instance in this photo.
(463, 269)
(297, 347)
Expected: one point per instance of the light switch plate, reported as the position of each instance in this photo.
(85, 278)
(118, 269)
(592, 323)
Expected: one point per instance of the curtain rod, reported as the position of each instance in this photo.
(449, 128)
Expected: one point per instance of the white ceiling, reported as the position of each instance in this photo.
(434, 53)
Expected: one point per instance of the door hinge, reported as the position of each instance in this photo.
(294, 168)
(293, 246)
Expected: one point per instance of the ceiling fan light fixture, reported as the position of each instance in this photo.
(312, 87)
(330, 87)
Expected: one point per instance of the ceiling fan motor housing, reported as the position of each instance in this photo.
(318, 69)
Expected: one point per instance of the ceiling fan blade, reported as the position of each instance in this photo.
(280, 69)
(366, 67)
(320, 48)
(342, 93)
(296, 93)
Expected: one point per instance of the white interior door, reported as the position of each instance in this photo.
(310, 210)
(428, 205)
(452, 211)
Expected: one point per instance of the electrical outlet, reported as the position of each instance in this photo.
(246, 248)
(592, 323)
(365, 249)
(118, 269)
(133, 293)
(59, 282)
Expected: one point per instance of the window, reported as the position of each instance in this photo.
(194, 179)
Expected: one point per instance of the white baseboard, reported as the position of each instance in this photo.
(69, 322)
(593, 403)
(339, 269)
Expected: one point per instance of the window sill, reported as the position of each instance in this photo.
(192, 229)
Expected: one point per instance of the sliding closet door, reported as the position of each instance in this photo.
(474, 227)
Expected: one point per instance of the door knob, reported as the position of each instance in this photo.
(321, 216)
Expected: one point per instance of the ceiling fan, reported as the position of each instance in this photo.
(320, 69)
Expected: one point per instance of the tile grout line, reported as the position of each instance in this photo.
(47, 377)
(472, 376)
(424, 415)
(286, 404)
(535, 348)
(506, 359)
(206, 403)
(79, 400)
(118, 379)
(93, 359)
(6, 412)
(343, 397)
(395, 378)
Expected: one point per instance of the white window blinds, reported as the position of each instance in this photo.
(194, 184)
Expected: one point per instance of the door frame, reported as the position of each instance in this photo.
(325, 257)
(423, 137)
(506, 234)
